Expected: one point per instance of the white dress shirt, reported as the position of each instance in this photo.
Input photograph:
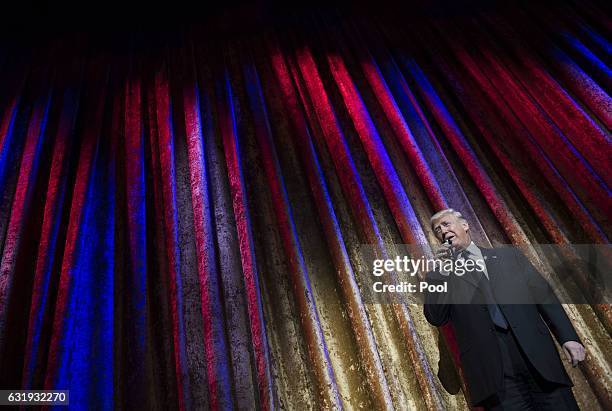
(476, 255)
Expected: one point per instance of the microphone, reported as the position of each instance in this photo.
(451, 248)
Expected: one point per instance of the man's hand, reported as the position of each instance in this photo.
(574, 351)
(443, 252)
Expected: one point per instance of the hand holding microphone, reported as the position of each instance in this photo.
(446, 251)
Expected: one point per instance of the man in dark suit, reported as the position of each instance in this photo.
(500, 311)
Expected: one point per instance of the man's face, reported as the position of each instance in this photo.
(449, 227)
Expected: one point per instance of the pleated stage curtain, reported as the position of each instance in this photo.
(181, 212)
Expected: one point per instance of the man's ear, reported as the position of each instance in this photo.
(465, 225)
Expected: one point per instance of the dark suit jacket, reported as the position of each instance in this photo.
(510, 271)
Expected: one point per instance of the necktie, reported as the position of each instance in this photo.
(496, 315)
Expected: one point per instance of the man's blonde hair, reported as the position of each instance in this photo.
(444, 212)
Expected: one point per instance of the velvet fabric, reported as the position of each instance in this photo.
(181, 211)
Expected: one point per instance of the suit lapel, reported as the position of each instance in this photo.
(470, 277)
(492, 261)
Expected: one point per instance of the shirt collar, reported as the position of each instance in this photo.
(473, 249)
